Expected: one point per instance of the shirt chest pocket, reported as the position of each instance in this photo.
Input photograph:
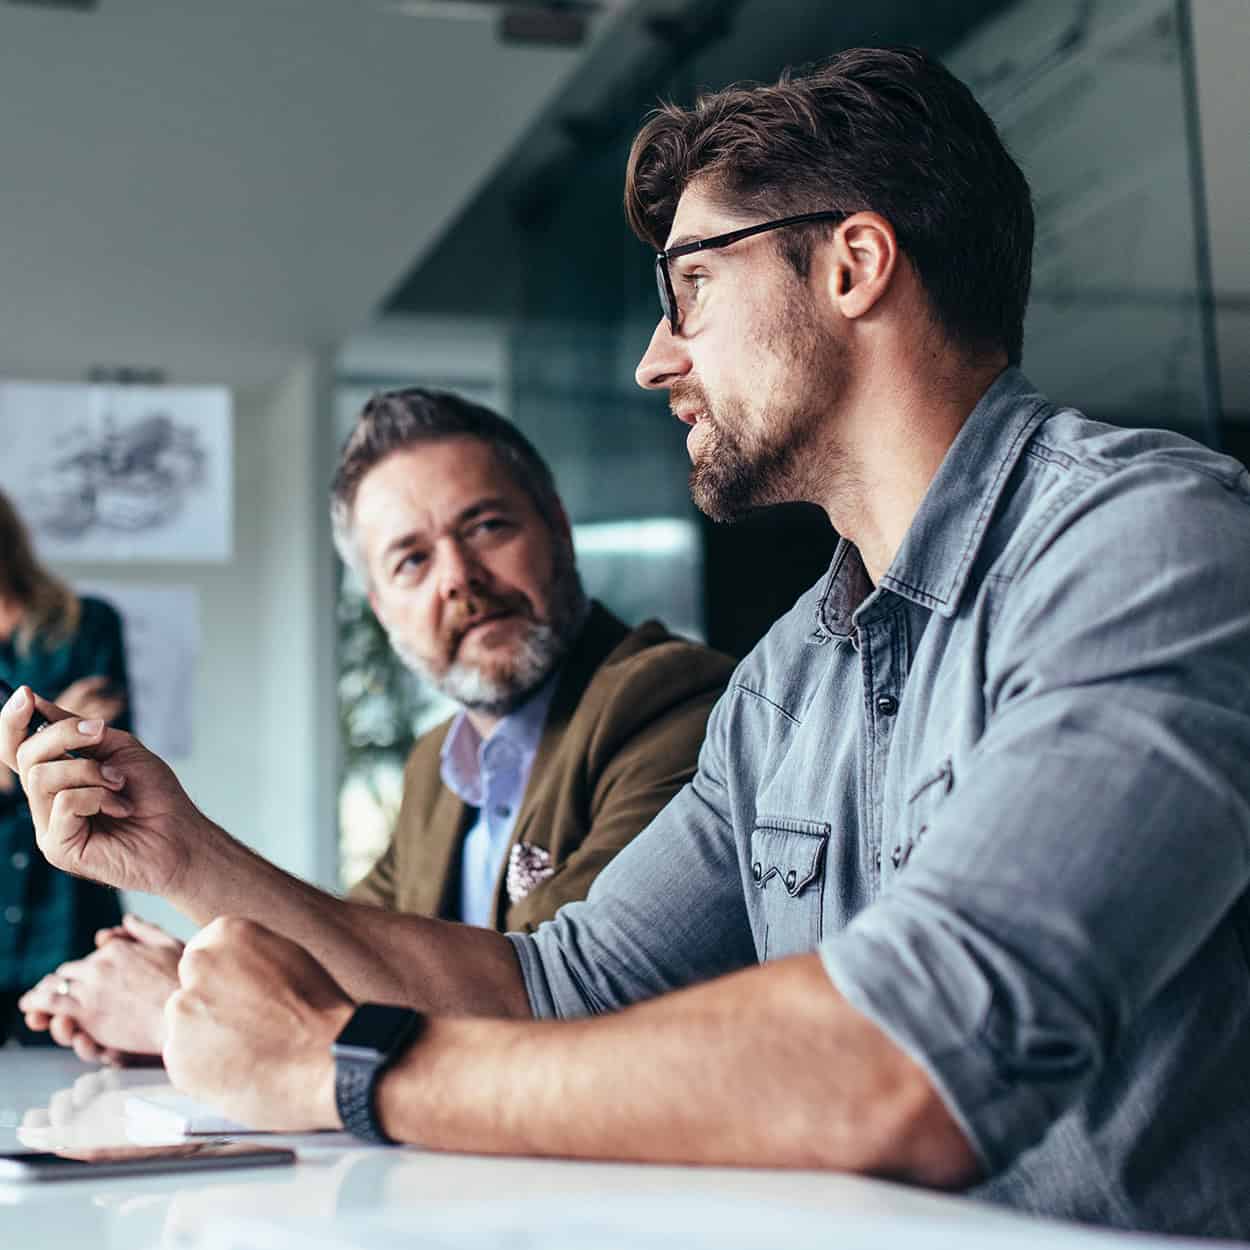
(923, 803)
(788, 873)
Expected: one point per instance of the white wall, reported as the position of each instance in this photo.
(263, 709)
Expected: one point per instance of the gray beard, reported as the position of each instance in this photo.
(541, 651)
(539, 654)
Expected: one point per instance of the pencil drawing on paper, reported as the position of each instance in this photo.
(128, 476)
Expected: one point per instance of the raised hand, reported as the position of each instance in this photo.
(116, 814)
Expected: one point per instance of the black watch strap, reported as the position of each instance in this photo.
(354, 1086)
(372, 1039)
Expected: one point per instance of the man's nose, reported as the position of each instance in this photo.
(664, 361)
(459, 573)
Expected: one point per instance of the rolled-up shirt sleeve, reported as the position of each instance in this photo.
(1098, 832)
(667, 912)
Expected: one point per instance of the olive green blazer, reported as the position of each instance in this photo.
(622, 737)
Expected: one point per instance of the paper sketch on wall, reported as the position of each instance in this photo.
(119, 473)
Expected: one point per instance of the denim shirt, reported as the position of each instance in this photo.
(1005, 794)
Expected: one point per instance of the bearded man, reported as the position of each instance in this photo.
(573, 731)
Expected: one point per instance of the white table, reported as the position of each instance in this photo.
(342, 1194)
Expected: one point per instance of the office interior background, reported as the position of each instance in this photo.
(309, 200)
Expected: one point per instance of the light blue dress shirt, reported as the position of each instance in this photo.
(491, 774)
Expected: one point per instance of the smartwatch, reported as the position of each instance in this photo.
(374, 1037)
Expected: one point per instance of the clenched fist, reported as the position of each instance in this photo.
(250, 1029)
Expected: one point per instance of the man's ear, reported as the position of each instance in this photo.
(865, 256)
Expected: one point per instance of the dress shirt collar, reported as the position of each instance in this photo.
(513, 743)
(932, 564)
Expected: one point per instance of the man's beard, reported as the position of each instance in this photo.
(739, 469)
(537, 654)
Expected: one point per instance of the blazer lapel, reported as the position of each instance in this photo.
(601, 634)
(435, 873)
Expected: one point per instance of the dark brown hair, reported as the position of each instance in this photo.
(394, 420)
(882, 129)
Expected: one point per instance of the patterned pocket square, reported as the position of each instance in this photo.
(528, 866)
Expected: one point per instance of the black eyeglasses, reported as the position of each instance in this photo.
(664, 281)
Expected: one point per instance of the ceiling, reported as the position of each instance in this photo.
(209, 189)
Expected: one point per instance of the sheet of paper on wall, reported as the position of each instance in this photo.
(120, 472)
(162, 635)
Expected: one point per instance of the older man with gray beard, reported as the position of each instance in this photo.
(573, 731)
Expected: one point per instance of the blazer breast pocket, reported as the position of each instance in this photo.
(788, 872)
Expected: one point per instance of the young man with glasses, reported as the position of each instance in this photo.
(958, 891)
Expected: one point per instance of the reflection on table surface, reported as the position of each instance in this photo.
(342, 1194)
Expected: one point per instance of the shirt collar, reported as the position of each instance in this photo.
(464, 751)
(932, 564)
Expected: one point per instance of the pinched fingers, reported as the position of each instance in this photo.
(75, 789)
(15, 729)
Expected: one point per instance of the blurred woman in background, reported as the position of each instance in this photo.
(68, 649)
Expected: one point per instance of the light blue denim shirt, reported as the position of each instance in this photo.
(1006, 795)
(491, 775)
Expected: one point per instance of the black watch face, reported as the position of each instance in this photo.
(375, 1029)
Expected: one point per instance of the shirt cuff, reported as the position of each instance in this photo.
(934, 1003)
(542, 1002)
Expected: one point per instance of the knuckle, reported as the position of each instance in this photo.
(236, 929)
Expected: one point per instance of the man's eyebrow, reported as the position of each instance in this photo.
(682, 239)
(493, 503)
(400, 543)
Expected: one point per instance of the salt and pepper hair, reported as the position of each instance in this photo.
(396, 420)
(887, 130)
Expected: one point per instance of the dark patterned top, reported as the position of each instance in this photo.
(47, 916)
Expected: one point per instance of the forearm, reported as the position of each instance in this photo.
(376, 955)
(769, 1067)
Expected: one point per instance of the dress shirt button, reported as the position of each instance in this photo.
(877, 859)
(20, 860)
(757, 870)
(503, 812)
(791, 878)
(887, 704)
(13, 915)
(896, 857)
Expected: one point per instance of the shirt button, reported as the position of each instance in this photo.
(791, 878)
(20, 860)
(13, 915)
(896, 857)
(877, 859)
(757, 870)
(503, 812)
(887, 704)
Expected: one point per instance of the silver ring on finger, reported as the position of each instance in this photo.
(64, 987)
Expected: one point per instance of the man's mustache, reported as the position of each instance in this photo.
(463, 614)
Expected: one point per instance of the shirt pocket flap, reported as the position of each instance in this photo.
(790, 850)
